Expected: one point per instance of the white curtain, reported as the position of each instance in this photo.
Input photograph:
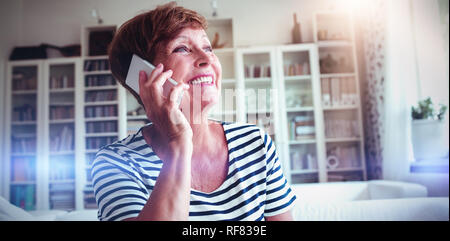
(400, 90)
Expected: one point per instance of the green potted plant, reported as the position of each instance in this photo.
(428, 131)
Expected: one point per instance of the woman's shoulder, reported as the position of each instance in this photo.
(124, 149)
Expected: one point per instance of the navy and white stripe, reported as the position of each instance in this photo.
(125, 172)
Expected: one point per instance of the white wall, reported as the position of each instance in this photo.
(256, 21)
(10, 20)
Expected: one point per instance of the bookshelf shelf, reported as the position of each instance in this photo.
(344, 107)
(307, 171)
(300, 109)
(24, 92)
(301, 142)
(343, 139)
(101, 103)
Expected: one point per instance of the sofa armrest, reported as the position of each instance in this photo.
(383, 189)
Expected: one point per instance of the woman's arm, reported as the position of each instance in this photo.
(171, 194)
(287, 216)
(170, 197)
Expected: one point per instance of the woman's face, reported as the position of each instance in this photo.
(189, 55)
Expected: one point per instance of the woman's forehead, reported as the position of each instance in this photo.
(190, 34)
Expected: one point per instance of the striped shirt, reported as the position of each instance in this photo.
(125, 172)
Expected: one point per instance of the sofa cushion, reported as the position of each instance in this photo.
(331, 191)
(383, 189)
(407, 209)
(9, 212)
(84, 215)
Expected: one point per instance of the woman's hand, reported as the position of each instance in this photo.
(164, 112)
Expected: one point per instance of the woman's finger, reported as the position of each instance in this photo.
(154, 74)
(176, 92)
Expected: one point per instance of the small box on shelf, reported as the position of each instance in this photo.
(96, 38)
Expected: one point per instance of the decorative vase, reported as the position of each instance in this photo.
(428, 140)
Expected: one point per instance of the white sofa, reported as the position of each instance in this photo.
(367, 201)
(352, 201)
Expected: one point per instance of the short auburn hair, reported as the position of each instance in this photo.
(143, 34)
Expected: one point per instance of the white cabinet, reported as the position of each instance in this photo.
(334, 36)
(23, 150)
(300, 113)
(59, 112)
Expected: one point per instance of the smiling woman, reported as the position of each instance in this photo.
(183, 166)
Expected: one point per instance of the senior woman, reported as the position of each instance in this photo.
(183, 166)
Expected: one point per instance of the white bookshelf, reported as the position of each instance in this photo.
(335, 37)
(103, 105)
(23, 127)
(300, 111)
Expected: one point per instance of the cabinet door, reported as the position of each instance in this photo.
(299, 114)
(22, 132)
(60, 81)
(226, 108)
(259, 89)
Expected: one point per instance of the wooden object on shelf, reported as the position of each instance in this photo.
(296, 31)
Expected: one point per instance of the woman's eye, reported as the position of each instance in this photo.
(208, 49)
(181, 49)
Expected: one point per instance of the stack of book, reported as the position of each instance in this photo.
(62, 196)
(25, 112)
(21, 81)
(24, 196)
(339, 92)
(99, 80)
(61, 82)
(100, 111)
(104, 95)
(21, 145)
(64, 141)
(101, 126)
(23, 169)
(61, 112)
(302, 127)
(96, 65)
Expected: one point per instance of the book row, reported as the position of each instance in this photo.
(21, 81)
(101, 126)
(339, 91)
(303, 161)
(302, 127)
(102, 95)
(98, 142)
(257, 71)
(61, 112)
(63, 140)
(61, 82)
(99, 80)
(25, 112)
(337, 128)
(23, 169)
(100, 111)
(96, 65)
(296, 69)
(23, 145)
(23, 196)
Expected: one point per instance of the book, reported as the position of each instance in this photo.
(326, 92)
(335, 91)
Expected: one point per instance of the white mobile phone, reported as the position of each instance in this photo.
(138, 64)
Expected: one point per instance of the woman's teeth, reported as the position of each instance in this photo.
(202, 80)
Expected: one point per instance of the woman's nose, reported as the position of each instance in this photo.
(203, 60)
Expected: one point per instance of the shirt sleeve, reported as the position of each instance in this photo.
(279, 196)
(117, 189)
